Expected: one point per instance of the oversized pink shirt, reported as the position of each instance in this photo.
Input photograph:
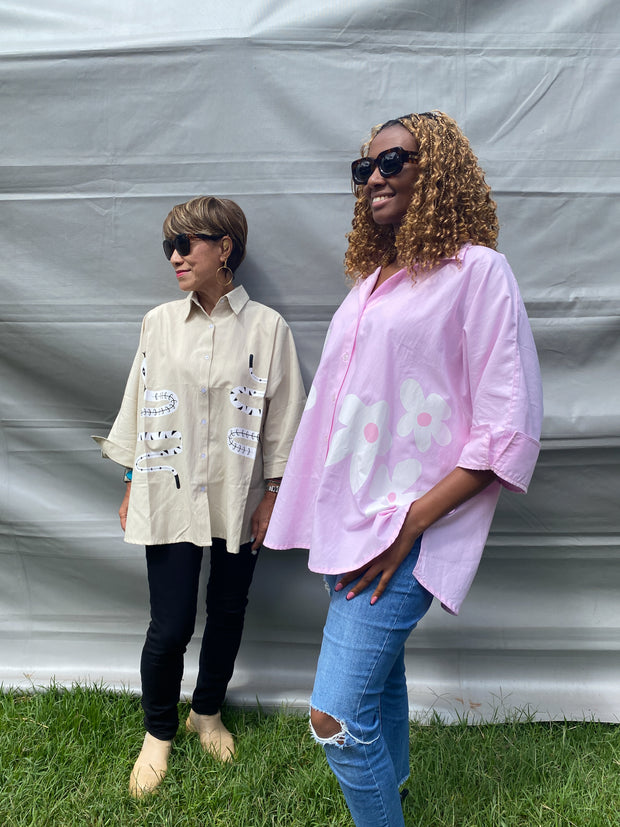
(415, 379)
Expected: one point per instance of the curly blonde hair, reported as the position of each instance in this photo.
(451, 203)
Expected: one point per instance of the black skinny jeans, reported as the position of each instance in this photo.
(173, 575)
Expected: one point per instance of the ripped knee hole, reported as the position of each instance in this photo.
(325, 726)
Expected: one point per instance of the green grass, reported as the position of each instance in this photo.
(65, 759)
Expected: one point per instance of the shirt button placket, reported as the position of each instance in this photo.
(204, 412)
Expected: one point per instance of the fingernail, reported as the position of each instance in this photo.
(338, 587)
(373, 600)
(350, 595)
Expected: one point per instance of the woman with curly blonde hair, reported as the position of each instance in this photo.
(450, 205)
(427, 401)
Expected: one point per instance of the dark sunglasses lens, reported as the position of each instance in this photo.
(390, 164)
(180, 243)
(362, 170)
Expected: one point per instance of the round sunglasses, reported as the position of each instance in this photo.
(182, 242)
(390, 162)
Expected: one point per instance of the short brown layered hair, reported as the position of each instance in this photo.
(211, 216)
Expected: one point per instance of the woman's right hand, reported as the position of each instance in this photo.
(122, 511)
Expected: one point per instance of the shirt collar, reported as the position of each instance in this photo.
(372, 278)
(236, 300)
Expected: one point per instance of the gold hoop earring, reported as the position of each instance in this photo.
(232, 275)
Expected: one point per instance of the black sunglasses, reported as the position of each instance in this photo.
(390, 162)
(182, 242)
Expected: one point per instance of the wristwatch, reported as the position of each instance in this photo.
(128, 475)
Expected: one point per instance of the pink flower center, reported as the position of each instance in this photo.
(424, 419)
(391, 496)
(371, 432)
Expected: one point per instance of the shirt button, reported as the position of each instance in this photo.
(203, 390)
(202, 488)
(203, 421)
(345, 357)
(207, 356)
(202, 456)
(210, 328)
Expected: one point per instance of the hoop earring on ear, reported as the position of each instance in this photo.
(226, 267)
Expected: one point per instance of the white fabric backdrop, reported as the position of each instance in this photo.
(113, 112)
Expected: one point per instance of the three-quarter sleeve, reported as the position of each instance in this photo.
(120, 444)
(285, 399)
(503, 377)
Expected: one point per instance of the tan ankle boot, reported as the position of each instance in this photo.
(150, 767)
(214, 736)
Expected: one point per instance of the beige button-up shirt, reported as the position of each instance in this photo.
(210, 409)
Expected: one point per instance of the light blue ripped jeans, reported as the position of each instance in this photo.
(360, 682)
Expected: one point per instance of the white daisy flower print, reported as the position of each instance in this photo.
(364, 436)
(390, 493)
(425, 416)
(311, 400)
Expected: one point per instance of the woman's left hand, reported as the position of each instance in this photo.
(260, 519)
(385, 564)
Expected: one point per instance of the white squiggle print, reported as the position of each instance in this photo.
(233, 437)
(256, 378)
(157, 396)
(241, 406)
(235, 393)
(171, 401)
(157, 436)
